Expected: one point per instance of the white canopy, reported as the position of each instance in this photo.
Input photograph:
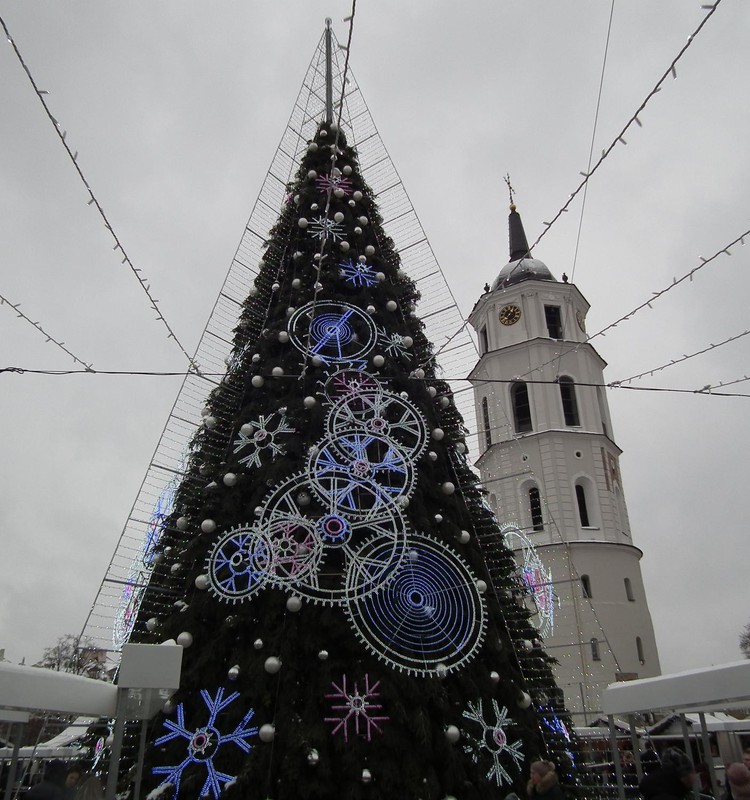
(725, 686)
(58, 746)
(23, 687)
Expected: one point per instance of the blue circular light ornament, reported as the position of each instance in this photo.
(337, 333)
(428, 617)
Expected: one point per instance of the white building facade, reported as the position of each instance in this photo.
(551, 468)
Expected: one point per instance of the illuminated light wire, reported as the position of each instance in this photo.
(182, 374)
(619, 138)
(646, 303)
(593, 138)
(49, 337)
(62, 134)
(681, 359)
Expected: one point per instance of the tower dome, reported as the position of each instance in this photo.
(521, 267)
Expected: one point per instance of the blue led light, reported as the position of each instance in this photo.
(358, 274)
(427, 615)
(204, 743)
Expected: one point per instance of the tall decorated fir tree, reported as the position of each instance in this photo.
(353, 624)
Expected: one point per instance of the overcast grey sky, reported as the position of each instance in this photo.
(176, 108)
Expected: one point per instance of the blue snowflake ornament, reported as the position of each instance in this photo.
(204, 743)
(357, 274)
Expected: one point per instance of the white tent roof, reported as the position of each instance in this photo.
(56, 747)
(725, 686)
(23, 687)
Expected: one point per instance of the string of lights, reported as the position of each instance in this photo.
(646, 303)
(62, 135)
(682, 358)
(48, 336)
(634, 120)
(156, 374)
(593, 139)
(710, 387)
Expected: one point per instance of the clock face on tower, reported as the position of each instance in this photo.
(509, 314)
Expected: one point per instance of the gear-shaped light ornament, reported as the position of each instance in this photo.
(337, 333)
(492, 741)
(535, 576)
(360, 472)
(204, 744)
(267, 436)
(336, 544)
(239, 564)
(429, 618)
(383, 414)
(351, 384)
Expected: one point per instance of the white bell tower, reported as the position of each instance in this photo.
(550, 465)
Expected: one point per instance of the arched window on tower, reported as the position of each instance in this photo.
(484, 345)
(535, 508)
(586, 586)
(583, 506)
(639, 648)
(569, 402)
(486, 423)
(629, 590)
(519, 397)
(595, 650)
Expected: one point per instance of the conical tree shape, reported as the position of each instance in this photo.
(353, 624)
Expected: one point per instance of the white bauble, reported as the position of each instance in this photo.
(201, 582)
(358, 230)
(313, 757)
(266, 733)
(309, 402)
(339, 192)
(438, 434)
(448, 488)
(525, 700)
(296, 283)
(344, 246)
(380, 276)
(272, 665)
(182, 523)
(495, 676)
(312, 174)
(312, 147)
(357, 195)
(452, 734)
(464, 537)
(391, 305)
(369, 250)
(302, 222)
(441, 671)
(366, 775)
(371, 309)
(233, 672)
(432, 391)
(283, 337)
(210, 421)
(347, 170)
(277, 372)
(338, 217)
(275, 287)
(185, 639)
(256, 358)
(294, 603)
(378, 360)
(438, 518)
(208, 526)
(258, 381)
(317, 361)
(230, 479)
(258, 644)
(151, 624)
(432, 455)
(408, 341)
(363, 220)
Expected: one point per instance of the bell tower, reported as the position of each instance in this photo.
(550, 464)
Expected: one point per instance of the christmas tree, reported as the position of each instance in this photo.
(353, 620)
(353, 623)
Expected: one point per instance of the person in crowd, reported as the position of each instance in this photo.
(738, 781)
(72, 779)
(51, 785)
(543, 782)
(91, 789)
(674, 780)
(649, 759)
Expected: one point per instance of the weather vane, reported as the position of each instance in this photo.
(510, 192)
